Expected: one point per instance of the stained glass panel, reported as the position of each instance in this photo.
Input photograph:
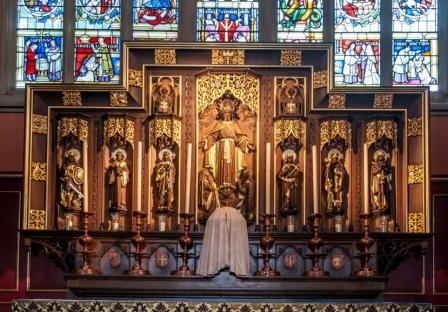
(43, 14)
(97, 56)
(300, 21)
(415, 59)
(155, 19)
(39, 57)
(98, 14)
(414, 16)
(357, 15)
(227, 21)
(357, 59)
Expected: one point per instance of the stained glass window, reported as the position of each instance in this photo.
(227, 21)
(415, 43)
(155, 19)
(357, 42)
(300, 21)
(97, 41)
(39, 41)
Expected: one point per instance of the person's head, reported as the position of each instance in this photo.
(352, 46)
(226, 16)
(101, 40)
(166, 156)
(53, 43)
(120, 156)
(33, 46)
(289, 159)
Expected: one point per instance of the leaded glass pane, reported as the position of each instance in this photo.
(98, 14)
(414, 16)
(42, 14)
(155, 19)
(300, 21)
(227, 21)
(357, 15)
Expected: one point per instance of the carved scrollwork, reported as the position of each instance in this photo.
(383, 100)
(36, 219)
(392, 253)
(71, 98)
(291, 57)
(415, 127)
(336, 100)
(121, 126)
(119, 99)
(378, 129)
(165, 56)
(135, 78)
(60, 252)
(320, 79)
(228, 57)
(331, 129)
(416, 222)
(170, 128)
(284, 128)
(39, 171)
(39, 124)
(78, 127)
(415, 174)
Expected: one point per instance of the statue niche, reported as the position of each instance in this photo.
(380, 183)
(290, 97)
(335, 184)
(165, 95)
(227, 128)
(165, 178)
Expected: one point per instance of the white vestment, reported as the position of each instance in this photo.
(225, 244)
(371, 76)
(350, 69)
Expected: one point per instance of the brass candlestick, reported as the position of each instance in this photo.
(85, 241)
(314, 244)
(186, 242)
(139, 244)
(266, 243)
(364, 245)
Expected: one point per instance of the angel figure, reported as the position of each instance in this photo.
(164, 97)
(290, 97)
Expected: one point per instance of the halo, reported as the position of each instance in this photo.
(289, 152)
(163, 152)
(75, 152)
(122, 151)
(335, 152)
(378, 152)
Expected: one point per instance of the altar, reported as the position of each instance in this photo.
(121, 180)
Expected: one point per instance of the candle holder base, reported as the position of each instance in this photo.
(315, 243)
(139, 244)
(186, 242)
(85, 241)
(266, 243)
(364, 245)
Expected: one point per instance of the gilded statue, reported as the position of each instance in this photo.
(336, 183)
(118, 180)
(380, 183)
(164, 96)
(72, 179)
(165, 178)
(226, 145)
(245, 188)
(289, 180)
(290, 97)
(208, 193)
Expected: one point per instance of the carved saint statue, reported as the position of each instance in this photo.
(289, 179)
(245, 188)
(290, 97)
(118, 179)
(380, 183)
(208, 193)
(226, 146)
(336, 180)
(72, 179)
(165, 177)
(164, 96)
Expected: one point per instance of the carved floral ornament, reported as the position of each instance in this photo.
(79, 127)
(119, 99)
(378, 129)
(416, 222)
(291, 57)
(36, 219)
(415, 127)
(336, 100)
(383, 100)
(228, 57)
(243, 86)
(320, 79)
(71, 98)
(165, 56)
(39, 124)
(415, 174)
(288, 127)
(38, 171)
(161, 126)
(118, 125)
(331, 129)
(135, 78)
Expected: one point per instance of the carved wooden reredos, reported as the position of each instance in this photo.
(84, 151)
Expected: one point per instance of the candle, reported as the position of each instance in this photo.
(85, 164)
(315, 180)
(268, 178)
(366, 178)
(139, 176)
(188, 179)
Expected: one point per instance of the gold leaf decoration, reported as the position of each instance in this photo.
(119, 99)
(378, 129)
(228, 57)
(243, 86)
(284, 128)
(36, 219)
(336, 100)
(71, 98)
(79, 127)
(320, 79)
(38, 171)
(165, 56)
(162, 126)
(135, 78)
(383, 100)
(39, 124)
(416, 222)
(415, 174)
(291, 57)
(331, 129)
(121, 126)
(415, 127)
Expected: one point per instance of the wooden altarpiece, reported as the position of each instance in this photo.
(116, 149)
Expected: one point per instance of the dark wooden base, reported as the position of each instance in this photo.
(87, 271)
(225, 285)
(137, 272)
(316, 273)
(366, 273)
(267, 273)
(183, 271)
